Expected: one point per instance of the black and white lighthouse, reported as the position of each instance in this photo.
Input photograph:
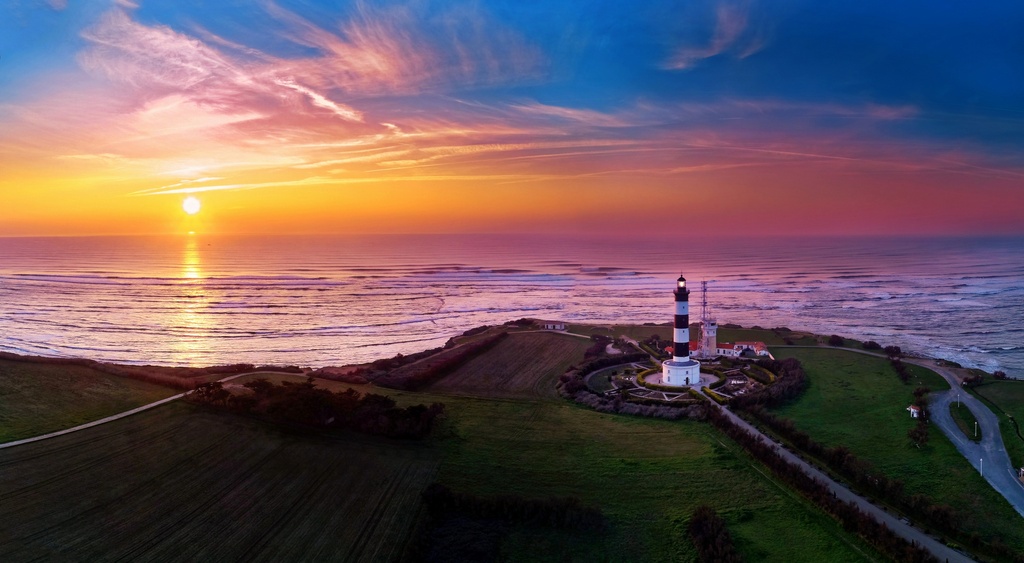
(681, 370)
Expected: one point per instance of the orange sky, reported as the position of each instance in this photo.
(379, 121)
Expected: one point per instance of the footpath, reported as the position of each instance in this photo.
(123, 414)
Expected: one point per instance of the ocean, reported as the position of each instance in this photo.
(333, 300)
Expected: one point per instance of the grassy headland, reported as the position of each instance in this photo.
(858, 401)
(965, 421)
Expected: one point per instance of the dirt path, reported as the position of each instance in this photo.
(125, 413)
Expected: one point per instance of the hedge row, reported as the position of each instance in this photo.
(851, 517)
(610, 361)
(420, 375)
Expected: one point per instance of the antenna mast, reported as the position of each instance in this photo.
(705, 313)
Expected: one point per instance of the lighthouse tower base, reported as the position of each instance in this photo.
(680, 372)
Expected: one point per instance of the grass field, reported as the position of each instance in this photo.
(965, 421)
(646, 475)
(858, 401)
(181, 483)
(525, 364)
(1008, 398)
(39, 398)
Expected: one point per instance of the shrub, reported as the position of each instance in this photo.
(871, 345)
(836, 340)
(711, 537)
(307, 405)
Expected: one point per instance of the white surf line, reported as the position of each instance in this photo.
(119, 415)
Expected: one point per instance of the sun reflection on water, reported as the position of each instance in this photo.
(190, 321)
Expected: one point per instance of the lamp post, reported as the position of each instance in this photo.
(975, 428)
(981, 464)
(957, 399)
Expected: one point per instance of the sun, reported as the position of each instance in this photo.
(191, 205)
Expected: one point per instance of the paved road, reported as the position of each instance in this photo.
(996, 467)
(998, 470)
(908, 532)
(123, 414)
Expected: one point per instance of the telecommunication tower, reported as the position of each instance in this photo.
(708, 326)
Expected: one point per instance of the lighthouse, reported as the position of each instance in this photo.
(681, 370)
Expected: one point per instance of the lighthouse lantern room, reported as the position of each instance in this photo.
(681, 370)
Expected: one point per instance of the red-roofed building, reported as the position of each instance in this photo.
(735, 350)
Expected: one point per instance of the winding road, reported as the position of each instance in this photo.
(987, 456)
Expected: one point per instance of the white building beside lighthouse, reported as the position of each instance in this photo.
(681, 370)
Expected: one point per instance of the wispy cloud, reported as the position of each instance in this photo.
(732, 34)
(581, 116)
(327, 180)
(341, 110)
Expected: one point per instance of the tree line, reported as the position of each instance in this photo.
(307, 405)
(852, 518)
(790, 382)
(866, 477)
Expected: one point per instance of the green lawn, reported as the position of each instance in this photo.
(965, 421)
(858, 401)
(1008, 398)
(182, 483)
(37, 398)
(647, 476)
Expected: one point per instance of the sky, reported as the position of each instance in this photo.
(654, 118)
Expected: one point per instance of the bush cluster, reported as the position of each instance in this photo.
(623, 404)
(790, 382)
(760, 374)
(901, 369)
(720, 399)
(609, 361)
(307, 405)
(711, 537)
(572, 386)
(599, 346)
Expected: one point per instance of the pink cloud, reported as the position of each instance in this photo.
(396, 50)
